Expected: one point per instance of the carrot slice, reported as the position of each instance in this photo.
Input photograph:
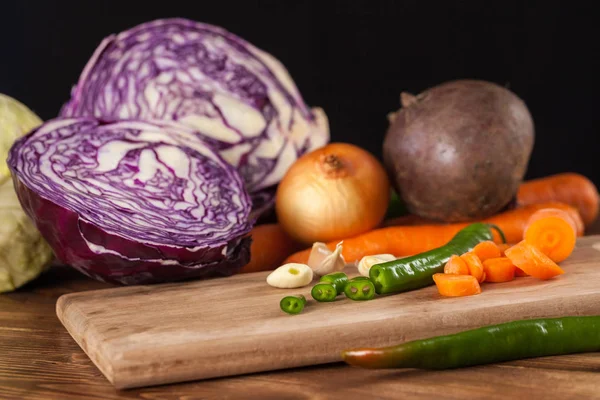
(532, 261)
(519, 273)
(456, 285)
(553, 231)
(474, 264)
(456, 266)
(502, 247)
(499, 269)
(486, 250)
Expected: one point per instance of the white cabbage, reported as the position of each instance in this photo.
(23, 252)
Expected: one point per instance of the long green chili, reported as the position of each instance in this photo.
(497, 343)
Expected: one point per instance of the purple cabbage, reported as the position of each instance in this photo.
(133, 202)
(234, 95)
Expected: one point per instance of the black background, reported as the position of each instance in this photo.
(353, 57)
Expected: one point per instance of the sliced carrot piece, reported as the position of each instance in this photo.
(486, 250)
(474, 264)
(519, 273)
(532, 261)
(456, 285)
(552, 231)
(499, 269)
(456, 266)
(502, 247)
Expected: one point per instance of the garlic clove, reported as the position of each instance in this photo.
(367, 262)
(318, 254)
(292, 275)
(334, 262)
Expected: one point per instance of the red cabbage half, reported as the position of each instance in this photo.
(132, 202)
(231, 93)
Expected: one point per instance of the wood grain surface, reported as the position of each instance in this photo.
(157, 334)
(40, 361)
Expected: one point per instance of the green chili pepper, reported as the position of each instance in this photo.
(417, 271)
(337, 279)
(324, 292)
(359, 289)
(491, 344)
(292, 304)
(329, 287)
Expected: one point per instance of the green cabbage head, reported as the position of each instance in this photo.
(23, 252)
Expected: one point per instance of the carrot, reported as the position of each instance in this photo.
(270, 246)
(502, 247)
(456, 285)
(513, 222)
(406, 240)
(552, 231)
(519, 273)
(398, 240)
(456, 266)
(475, 266)
(570, 188)
(499, 269)
(486, 250)
(532, 261)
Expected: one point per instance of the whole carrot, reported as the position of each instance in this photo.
(514, 219)
(270, 246)
(570, 188)
(407, 240)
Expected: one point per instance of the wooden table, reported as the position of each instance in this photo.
(39, 360)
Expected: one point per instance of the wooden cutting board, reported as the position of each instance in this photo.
(149, 335)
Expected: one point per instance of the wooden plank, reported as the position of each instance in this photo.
(148, 335)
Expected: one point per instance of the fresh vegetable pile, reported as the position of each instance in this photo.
(179, 135)
(524, 228)
(459, 267)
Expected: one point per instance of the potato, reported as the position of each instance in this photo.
(459, 151)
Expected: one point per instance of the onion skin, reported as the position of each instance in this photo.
(334, 192)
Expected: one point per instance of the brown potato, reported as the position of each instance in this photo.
(459, 151)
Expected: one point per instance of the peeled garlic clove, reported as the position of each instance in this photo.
(367, 262)
(318, 254)
(334, 262)
(292, 275)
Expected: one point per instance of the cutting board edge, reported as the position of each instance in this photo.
(64, 309)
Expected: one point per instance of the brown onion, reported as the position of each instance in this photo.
(335, 192)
